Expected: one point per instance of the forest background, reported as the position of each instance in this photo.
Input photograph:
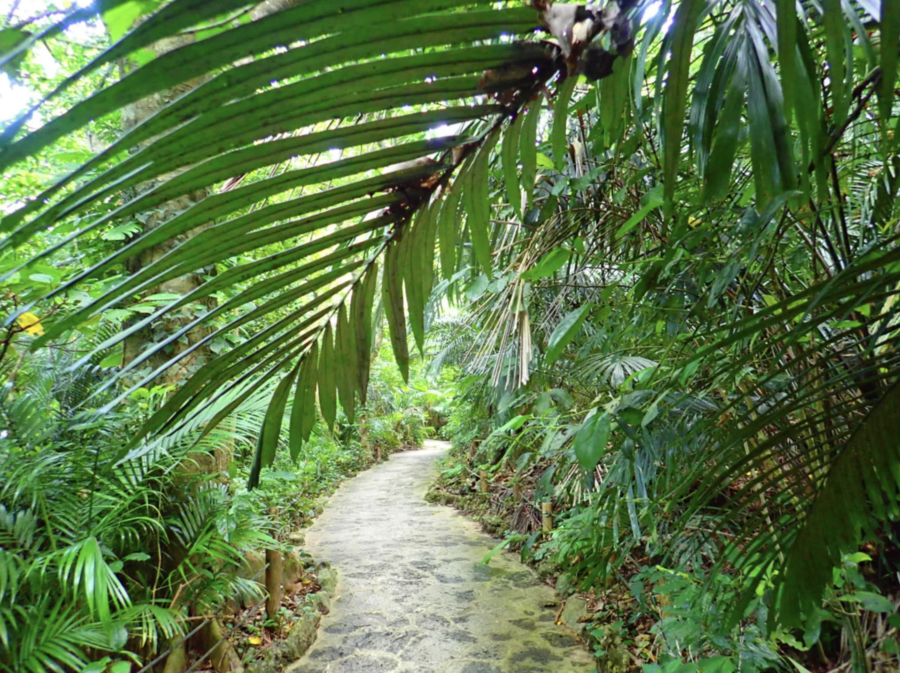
(655, 247)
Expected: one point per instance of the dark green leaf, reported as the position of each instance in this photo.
(721, 161)
(410, 258)
(590, 441)
(684, 27)
(478, 203)
(870, 601)
(447, 227)
(566, 330)
(303, 410)
(392, 296)
(510, 157)
(528, 148)
(362, 306)
(637, 218)
(271, 429)
(786, 12)
(327, 378)
(549, 264)
(345, 365)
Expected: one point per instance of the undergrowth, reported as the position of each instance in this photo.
(646, 608)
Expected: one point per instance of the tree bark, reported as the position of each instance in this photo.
(132, 116)
(176, 659)
(274, 580)
(224, 658)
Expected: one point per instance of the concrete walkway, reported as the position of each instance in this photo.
(412, 594)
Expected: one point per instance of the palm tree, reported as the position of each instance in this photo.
(691, 149)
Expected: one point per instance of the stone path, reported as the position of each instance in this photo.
(412, 594)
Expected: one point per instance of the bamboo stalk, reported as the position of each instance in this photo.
(274, 581)
(547, 516)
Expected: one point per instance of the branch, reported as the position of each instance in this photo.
(12, 11)
(38, 17)
(872, 80)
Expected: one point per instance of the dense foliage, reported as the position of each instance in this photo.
(106, 554)
(669, 232)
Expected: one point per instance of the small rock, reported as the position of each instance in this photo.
(575, 609)
(292, 567)
(327, 578)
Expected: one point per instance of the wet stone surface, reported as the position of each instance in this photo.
(412, 595)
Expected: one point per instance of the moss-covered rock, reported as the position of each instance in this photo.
(576, 609)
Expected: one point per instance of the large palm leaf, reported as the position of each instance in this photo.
(236, 124)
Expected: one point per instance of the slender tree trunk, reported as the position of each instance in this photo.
(274, 581)
(132, 116)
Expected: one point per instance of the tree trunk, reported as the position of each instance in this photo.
(274, 580)
(176, 659)
(133, 115)
(224, 659)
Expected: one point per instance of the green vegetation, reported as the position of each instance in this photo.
(104, 552)
(657, 242)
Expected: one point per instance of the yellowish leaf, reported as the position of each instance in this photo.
(254, 640)
(30, 323)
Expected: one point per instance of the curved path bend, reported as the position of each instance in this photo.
(412, 593)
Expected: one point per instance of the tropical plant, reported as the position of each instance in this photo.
(101, 550)
(716, 198)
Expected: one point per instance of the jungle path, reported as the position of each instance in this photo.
(412, 593)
